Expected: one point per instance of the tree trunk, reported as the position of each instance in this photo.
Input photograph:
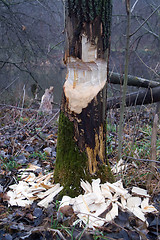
(82, 131)
(116, 78)
(142, 97)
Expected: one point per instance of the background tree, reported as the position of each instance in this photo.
(144, 44)
(31, 45)
(139, 36)
(31, 42)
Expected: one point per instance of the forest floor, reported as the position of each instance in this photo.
(28, 137)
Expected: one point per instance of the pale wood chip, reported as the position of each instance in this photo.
(44, 203)
(49, 191)
(140, 191)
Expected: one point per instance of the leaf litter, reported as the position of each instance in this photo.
(28, 196)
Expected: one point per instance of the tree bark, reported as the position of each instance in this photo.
(116, 78)
(146, 96)
(81, 136)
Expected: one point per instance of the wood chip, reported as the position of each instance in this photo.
(137, 211)
(140, 191)
(98, 205)
(31, 167)
(86, 186)
(28, 190)
(146, 208)
(48, 192)
(44, 203)
(97, 191)
(113, 213)
(118, 167)
(133, 202)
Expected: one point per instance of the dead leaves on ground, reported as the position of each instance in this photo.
(110, 209)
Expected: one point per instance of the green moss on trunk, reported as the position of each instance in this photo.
(71, 164)
(105, 174)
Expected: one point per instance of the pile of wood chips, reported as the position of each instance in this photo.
(32, 188)
(99, 204)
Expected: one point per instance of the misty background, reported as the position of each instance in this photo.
(32, 46)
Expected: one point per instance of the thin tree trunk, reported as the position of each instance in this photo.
(120, 131)
(82, 131)
(153, 151)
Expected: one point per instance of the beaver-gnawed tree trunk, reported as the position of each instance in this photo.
(81, 142)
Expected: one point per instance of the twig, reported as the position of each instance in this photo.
(145, 160)
(41, 129)
(43, 229)
(9, 85)
(142, 235)
(134, 5)
(146, 65)
(47, 123)
(58, 232)
(22, 70)
(55, 46)
(144, 22)
(150, 31)
(125, 83)
(24, 109)
(79, 236)
(21, 108)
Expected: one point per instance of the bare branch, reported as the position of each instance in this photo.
(9, 86)
(145, 160)
(145, 21)
(134, 5)
(21, 69)
(147, 65)
(149, 30)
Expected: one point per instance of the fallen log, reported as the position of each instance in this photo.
(146, 96)
(116, 78)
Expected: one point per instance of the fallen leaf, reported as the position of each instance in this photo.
(67, 210)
